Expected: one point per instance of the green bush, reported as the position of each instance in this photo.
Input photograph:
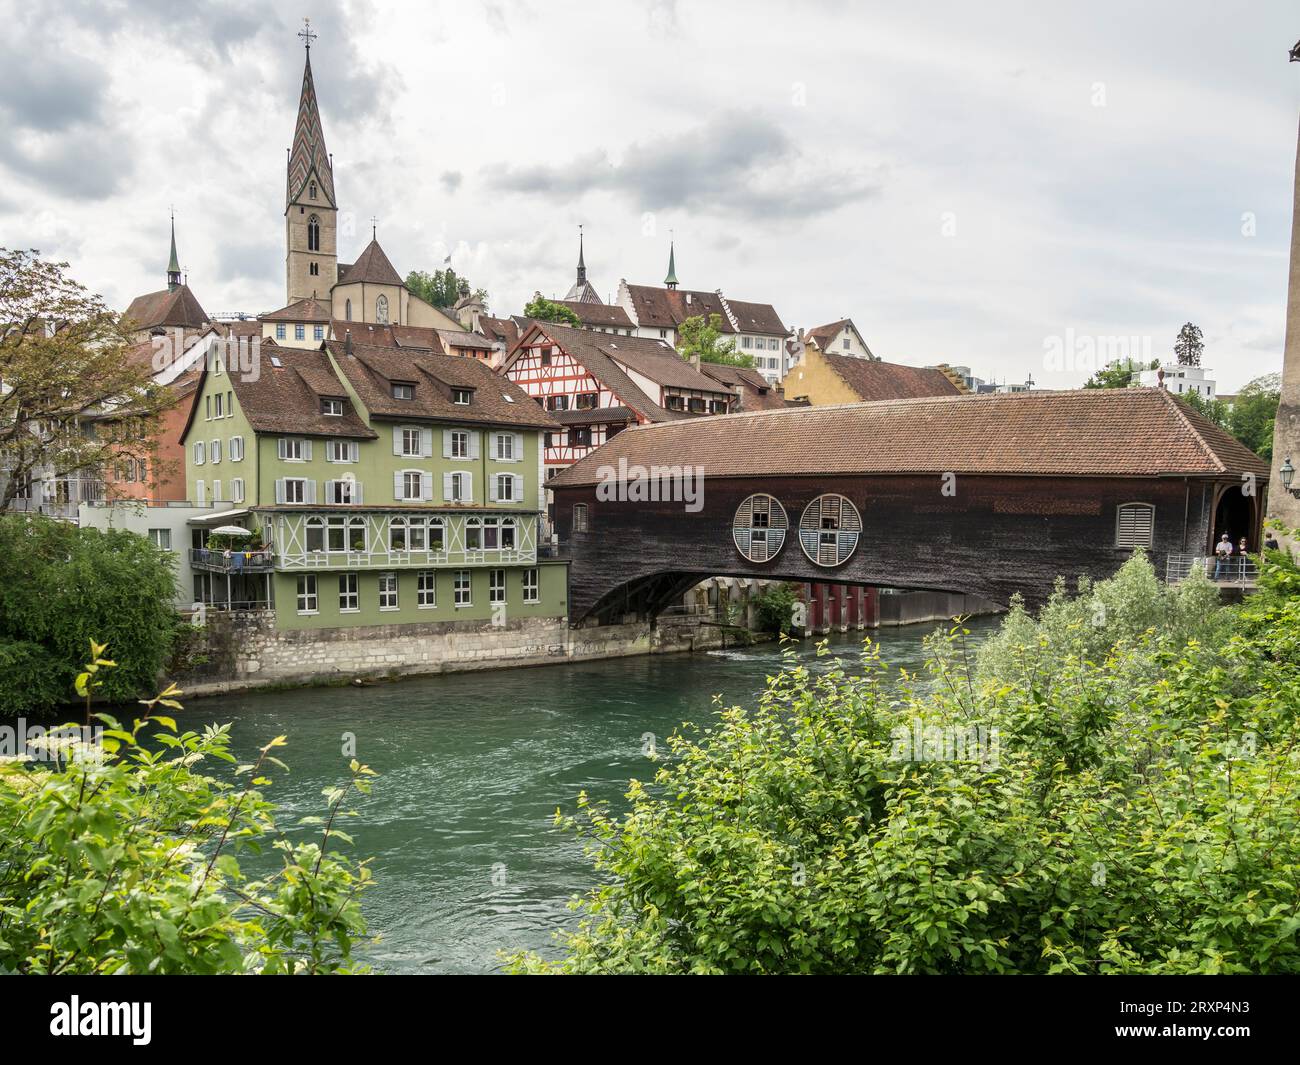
(129, 862)
(61, 586)
(774, 608)
(1100, 794)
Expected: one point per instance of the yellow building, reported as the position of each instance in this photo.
(823, 379)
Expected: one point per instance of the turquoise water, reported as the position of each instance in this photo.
(472, 768)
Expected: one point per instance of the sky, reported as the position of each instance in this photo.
(1006, 186)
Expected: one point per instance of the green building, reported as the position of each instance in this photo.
(381, 487)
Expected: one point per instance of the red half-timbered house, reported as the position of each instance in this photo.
(596, 384)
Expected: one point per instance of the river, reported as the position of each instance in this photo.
(472, 767)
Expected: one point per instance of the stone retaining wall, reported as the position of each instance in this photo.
(247, 651)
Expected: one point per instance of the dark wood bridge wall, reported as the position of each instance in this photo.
(996, 536)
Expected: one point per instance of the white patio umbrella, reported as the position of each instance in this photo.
(230, 530)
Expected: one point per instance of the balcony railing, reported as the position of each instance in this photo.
(395, 559)
(1234, 570)
(214, 561)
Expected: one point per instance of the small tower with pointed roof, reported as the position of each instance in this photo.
(310, 208)
(671, 280)
(173, 264)
(582, 290)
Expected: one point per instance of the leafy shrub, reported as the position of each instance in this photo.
(61, 586)
(1133, 807)
(774, 608)
(129, 862)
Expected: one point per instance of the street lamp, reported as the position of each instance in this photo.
(1287, 473)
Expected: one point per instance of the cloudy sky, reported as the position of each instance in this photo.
(982, 184)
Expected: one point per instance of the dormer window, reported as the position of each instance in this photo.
(331, 406)
(403, 390)
(461, 396)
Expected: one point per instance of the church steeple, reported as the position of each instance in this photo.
(173, 264)
(310, 208)
(581, 290)
(582, 266)
(671, 280)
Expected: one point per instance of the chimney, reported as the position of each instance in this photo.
(695, 361)
(347, 342)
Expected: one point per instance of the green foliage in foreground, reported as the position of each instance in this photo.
(61, 587)
(129, 862)
(1136, 811)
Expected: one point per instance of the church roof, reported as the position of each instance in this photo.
(372, 266)
(308, 155)
(167, 308)
(582, 293)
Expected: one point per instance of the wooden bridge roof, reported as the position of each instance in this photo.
(1131, 432)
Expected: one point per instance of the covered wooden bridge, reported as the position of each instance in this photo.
(989, 495)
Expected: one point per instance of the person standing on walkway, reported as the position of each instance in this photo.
(1222, 556)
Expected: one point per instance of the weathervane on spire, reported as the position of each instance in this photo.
(305, 34)
(374, 226)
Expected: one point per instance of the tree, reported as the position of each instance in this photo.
(60, 587)
(1251, 416)
(62, 359)
(122, 856)
(442, 288)
(1119, 374)
(544, 310)
(1018, 816)
(702, 336)
(1188, 346)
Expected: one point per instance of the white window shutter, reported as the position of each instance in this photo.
(397, 439)
(446, 487)
(279, 489)
(306, 451)
(354, 451)
(446, 443)
(492, 488)
(426, 443)
(356, 492)
(519, 447)
(426, 487)
(519, 487)
(467, 484)
(310, 494)
(397, 485)
(282, 446)
(473, 445)
(329, 491)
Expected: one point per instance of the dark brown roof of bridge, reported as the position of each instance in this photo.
(872, 379)
(1126, 432)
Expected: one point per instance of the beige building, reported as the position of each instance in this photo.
(823, 379)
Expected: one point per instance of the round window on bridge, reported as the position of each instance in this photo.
(829, 530)
(759, 527)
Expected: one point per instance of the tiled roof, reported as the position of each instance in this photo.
(407, 337)
(872, 379)
(824, 334)
(304, 310)
(463, 339)
(309, 155)
(756, 317)
(660, 364)
(168, 309)
(502, 330)
(286, 398)
(1126, 432)
(593, 350)
(372, 266)
(609, 315)
(665, 308)
(596, 416)
(754, 390)
(371, 370)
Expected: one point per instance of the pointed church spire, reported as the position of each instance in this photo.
(310, 169)
(174, 263)
(671, 280)
(582, 266)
